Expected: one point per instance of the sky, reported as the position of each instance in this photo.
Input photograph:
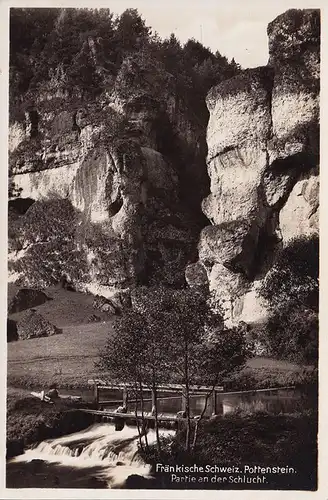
(235, 28)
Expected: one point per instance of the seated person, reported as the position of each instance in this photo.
(52, 393)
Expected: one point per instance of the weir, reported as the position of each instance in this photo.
(171, 402)
(128, 399)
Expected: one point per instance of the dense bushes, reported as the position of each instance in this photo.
(49, 220)
(291, 289)
(257, 439)
(266, 377)
(46, 232)
(292, 334)
(294, 278)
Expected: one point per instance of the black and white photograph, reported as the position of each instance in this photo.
(163, 247)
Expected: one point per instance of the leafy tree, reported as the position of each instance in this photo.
(134, 354)
(46, 232)
(80, 51)
(292, 334)
(196, 53)
(124, 357)
(293, 280)
(291, 290)
(235, 66)
(29, 29)
(131, 32)
(166, 337)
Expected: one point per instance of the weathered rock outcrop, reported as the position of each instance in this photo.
(26, 298)
(118, 163)
(263, 155)
(33, 325)
(120, 182)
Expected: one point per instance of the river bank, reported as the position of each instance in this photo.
(235, 445)
(31, 420)
(101, 457)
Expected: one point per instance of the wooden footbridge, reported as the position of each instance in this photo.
(128, 389)
(123, 407)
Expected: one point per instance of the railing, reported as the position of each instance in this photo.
(195, 390)
(200, 390)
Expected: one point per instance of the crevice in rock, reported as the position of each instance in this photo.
(313, 211)
(115, 206)
(267, 246)
(20, 205)
(295, 167)
(32, 123)
(75, 125)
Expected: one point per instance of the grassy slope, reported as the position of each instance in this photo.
(65, 308)
(67, 359)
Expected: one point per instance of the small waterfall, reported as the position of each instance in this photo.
(113, 453)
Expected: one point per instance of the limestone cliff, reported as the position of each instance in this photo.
(263, 157)
(127, 189)
(117, 163)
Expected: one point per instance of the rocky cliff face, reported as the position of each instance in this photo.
(263, 157)
(118, 164)
(128, 171)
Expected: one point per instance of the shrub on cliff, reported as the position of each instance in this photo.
(50, 220)
(294, 277)
(47, 233)
(58, 258)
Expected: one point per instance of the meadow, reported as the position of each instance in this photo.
(68, 359)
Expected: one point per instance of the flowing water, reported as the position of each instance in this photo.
(274, 401)
(96, 457)
(100, 457)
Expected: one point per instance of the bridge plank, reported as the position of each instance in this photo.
(104, 384)
(102, 413)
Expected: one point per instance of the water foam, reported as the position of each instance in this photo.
(114, 453)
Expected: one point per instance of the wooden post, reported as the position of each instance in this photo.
(183, 402)
(219, 406)
(125, 398)
(96, 393)
(153, 401)
(214, 407)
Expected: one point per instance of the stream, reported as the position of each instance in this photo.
(98, 457)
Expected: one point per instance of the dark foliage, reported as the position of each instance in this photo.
(80, 51)
(292, 291)
(47, 231)
(261, 438)
(11, 330)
